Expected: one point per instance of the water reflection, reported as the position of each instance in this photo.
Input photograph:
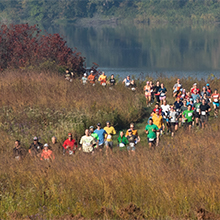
(180, 50)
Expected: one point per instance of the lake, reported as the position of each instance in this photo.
(134, 50)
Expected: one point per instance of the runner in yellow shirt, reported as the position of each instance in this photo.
(110, 132)
(102, 79)
(158, 121)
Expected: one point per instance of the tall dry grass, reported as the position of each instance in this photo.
(171, 182)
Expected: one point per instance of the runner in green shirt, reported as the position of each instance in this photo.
(151, 130)
(189, 116)
(122, 141)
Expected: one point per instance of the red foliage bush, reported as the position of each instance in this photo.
(22, 45)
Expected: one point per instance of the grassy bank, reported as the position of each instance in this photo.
(172, 182)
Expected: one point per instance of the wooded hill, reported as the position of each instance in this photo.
(172, 11)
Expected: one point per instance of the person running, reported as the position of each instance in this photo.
(122, 141)
(134, 131)
(163, 93)
(112, 81)
(91, 78)
(208, 88)
(133, 140)
(165, 113)
(95, 136)
(102, 79)
(101, 133)
(19, 152)
(127, 81)
(173, 116)
(110, 130)
(188, 117)
(177, 105)
(47, 154)
(204, 91)
(133, 85)
(84, 79)
(183, 108)
(157, 106)
(87, 142)
(215, 97)
(177, 85)
(147, 92)
(158, 121)
(35, 148)
(156, 89)
(151, 130)
(204, 110)
(70, 145)
(197, 111)
(195, 92)
(56, 146)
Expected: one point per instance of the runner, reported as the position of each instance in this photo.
(47, 154)
(173, 120)
(112, 81)
(183, 108)
(35, 148)
(195, 92)
(165, 113)
(19, 152)
(151, 130)
(110, 130)
(163, 92)
(215, 97)
(69, 145)
(133, 140)
(177, 85)
(133, 85)
(156, 89)
(208, 88)
(122, 141)
(158, 121)
(56, 146)
(84, 79)
(127, 81)
(91, 78)
(188, 117)
(95, 136)
(134, 132)
(157, 106)
(102, 79)
(147, 92)
(196, 111)
(204, 91)
(177, 105)
(204, 112)
(101, 133)
(87, 142)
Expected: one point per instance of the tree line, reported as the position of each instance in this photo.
(140, 10)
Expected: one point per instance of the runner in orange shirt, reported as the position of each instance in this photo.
(47, 154)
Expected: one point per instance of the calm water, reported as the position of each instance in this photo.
(123, 50)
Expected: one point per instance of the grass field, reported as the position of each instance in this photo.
(176, 181)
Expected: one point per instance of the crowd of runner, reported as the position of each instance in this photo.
(189, 109)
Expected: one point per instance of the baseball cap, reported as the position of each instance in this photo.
(85, 74)
(46, 145)
(99, 124)
(157, 110)
(35, 138)
(91, 127)
(195, 84)
(129, 130)
(207, 84)
(91, 71)
(69, 134)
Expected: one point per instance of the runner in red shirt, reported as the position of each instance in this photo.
(70, 145)
(215, 97)
(157, 106)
